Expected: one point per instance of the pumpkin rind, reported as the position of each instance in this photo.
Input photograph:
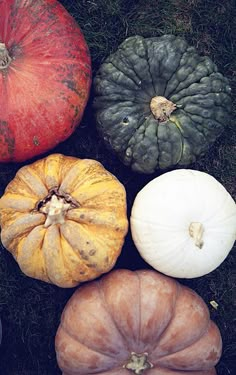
(165, 66)
(45, 88)
(183, 223)
(140, 314)
(86, 240)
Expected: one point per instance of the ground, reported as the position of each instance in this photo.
(30, 309)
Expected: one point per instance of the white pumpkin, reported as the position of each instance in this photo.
(183, 223)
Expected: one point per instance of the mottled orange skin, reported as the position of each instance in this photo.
(136, 311)
(88, 242)
(44, 90)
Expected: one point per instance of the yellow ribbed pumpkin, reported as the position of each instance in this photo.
(64, 219)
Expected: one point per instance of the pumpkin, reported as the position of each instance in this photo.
(183, 223)
(64, 219)
(45, 77)
(138, 322)
(159, 104)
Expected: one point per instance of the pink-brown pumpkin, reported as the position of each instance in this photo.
(139, 322)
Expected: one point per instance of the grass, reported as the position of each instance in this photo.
(30, 310)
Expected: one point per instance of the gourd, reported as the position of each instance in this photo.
(136, 322)
(183, 223)
(45, 77)
(159, 104)
(64, 219)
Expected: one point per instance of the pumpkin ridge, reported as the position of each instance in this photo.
(220, 208)
(204, 333)
(139, 303)
(126, 75)
(149, 65)
(70, 333)
(174, 72)
(125, 85)
(48, 263)
(108, 309)
(184, 93)
(144, 44)
(132, 144)
(84, 227)
(188, 344)
(23, 175)
(77, 254)
(202, 59)
(185, 138)
(182, 63)
(37, 18)
(188, 115)
(21, 249)
(181, 137)
(178, 290)
(13, 230)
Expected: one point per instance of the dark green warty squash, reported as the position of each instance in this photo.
(159, 104)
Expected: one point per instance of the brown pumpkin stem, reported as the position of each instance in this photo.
(161, 108)
(55, 205)
(196, 231)
(138, 363)
(5, 58)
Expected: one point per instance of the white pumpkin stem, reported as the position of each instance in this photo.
(161, 108)
(138, 363)
(55, 209)
(5, 58)
(196, 231)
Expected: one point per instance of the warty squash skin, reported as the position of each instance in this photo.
(64, 219)
(45, 77)
(136, 322)
(159, 103)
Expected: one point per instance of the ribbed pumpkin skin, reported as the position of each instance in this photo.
(165, 66)
(141, 312)
(88, 240)
(44, 90)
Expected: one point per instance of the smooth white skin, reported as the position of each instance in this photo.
(161, 216)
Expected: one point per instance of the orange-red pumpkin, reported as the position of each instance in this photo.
(139, 322)
(45, 77)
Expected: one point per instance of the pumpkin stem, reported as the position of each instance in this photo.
(55, 205)
(5, 59)
(138, 363)
(161, 108)
(196, 231)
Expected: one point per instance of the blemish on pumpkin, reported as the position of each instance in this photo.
(92, 252)
(84, 255)
(92, 265)
(7, 140)
(71, 85)
(81, 216)
(213, 356)
(35, 141)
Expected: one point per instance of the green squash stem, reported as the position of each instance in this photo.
(161, 108)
